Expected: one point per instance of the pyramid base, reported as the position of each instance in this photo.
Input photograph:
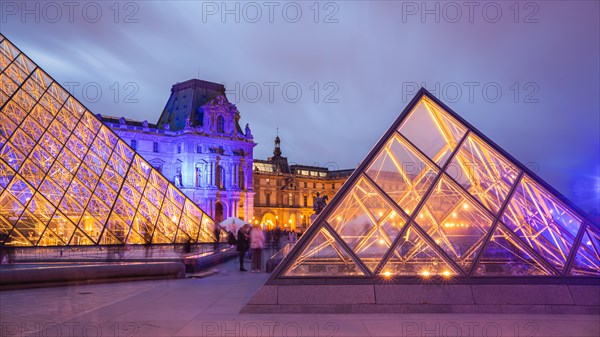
(473, 298)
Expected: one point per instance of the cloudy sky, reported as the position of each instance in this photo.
(333, 75)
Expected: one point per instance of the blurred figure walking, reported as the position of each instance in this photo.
(257, 243)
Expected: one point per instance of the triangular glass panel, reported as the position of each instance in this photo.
(504, 256)
(182, 237)
(587, 260)
(135, 238)
(50, 239)
(432, 130)
(323, 256)
(159, 237)
(10, 208)
(80, 239)
(61, 226)
(6, 175)
(542, 221)
(109, 238)
(402, 173)
(482, 171)
(30, 226)
(414, 257)
(455, 222)
(5, 225)
(359, 214)
(16, 238)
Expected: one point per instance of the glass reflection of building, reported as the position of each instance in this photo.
(435, 198)
(67, 179)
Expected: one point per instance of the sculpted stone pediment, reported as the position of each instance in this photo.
(220, 102)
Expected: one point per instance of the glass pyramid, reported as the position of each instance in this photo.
(436, 198)
(66, 179)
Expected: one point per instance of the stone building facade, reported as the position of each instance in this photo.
(198, 145)
(285, 192)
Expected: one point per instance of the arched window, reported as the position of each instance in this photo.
(221, 124)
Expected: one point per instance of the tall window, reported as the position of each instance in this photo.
(179, 148)
(134, 144)
(198, 148)
(155, 147)
(333, 186)
(290, 199)
(305, 184)
(268, 181)
(220, 177)
(268, 198)
(221, 124)
(314, 185)
(305, 200)
(241, 182)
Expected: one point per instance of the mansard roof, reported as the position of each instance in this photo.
(186, 102)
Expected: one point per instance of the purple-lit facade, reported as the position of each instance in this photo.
(199, 146)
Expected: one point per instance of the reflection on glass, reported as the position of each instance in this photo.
(454, 222)
(542, 221)
(402, 173)
(587, 260)
(432, 130)
(483, 172)
(323, 256)
(414, 257)
(504, 256)
(367, 223)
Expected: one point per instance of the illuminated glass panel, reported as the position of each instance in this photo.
(542, 221)
(402, 173)
(483, 172)
(504, 256)
(455, 222)
(432, 130)
(65, 178)
(323, 256)
(413, 256)
(587, 260)
(366, 222)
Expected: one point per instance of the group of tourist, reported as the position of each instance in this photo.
(254, 239)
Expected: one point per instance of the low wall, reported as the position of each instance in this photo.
(472, 298)
(29, 277)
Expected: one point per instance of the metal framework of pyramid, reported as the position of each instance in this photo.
(67, 179)
(434, 199)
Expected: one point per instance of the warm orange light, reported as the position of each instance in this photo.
(446, 273)
(387, 274)
(381, 241)
(425, 273)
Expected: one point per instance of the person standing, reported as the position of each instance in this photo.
(277, 237)
(257, 243)
(243, 244)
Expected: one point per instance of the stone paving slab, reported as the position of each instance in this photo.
(210, 307)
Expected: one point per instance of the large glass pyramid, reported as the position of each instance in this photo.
(436, 198)
(66, 179)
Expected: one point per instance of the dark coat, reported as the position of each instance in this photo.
(243, 241)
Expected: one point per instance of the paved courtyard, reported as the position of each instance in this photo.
(210, 306)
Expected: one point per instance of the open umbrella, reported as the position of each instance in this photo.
(232, 224)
